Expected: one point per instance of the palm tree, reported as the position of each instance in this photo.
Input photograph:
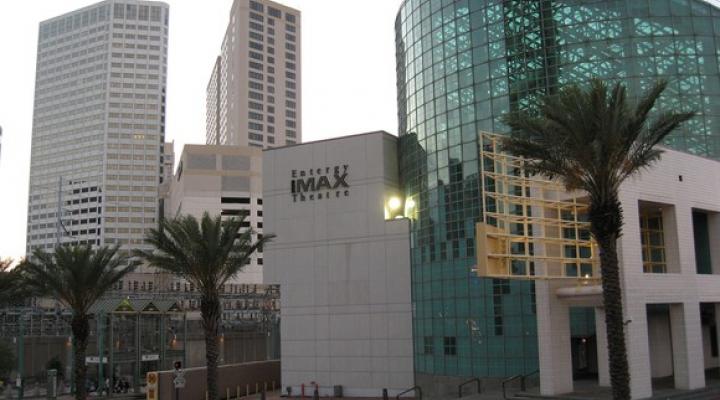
(76, 276)
(205, 253)
(8, 282)
(593, 140)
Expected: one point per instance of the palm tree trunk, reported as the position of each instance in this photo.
(80, 330)
(210, 311)
(614, 321)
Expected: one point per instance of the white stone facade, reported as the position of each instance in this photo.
(221, 180)
(343, 270)
(671, 343)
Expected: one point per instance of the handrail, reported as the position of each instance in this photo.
(460, 386)
(522, 380)
(508, 380)
(418, 388)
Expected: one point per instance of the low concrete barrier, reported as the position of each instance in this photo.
(234, 380)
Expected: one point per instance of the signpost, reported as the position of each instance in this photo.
(179, 380)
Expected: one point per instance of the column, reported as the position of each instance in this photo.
(602, 349)
(687, 346)
(638, 348)
(555, 356)
(634, 302)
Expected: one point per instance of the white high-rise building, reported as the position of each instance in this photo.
(98, 125)
(254, 92)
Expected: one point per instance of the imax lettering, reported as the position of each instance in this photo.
(318, 183)
(305, 185)
(340, 181)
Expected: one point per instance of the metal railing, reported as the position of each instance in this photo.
(523, 387)
(508, 380)
(460, 386)
(522, 379)
(416, 388)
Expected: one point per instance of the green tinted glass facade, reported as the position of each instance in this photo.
(460, 65)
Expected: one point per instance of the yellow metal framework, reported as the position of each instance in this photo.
(653, 242)
(532, 228)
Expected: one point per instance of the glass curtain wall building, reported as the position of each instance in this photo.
(460, 66)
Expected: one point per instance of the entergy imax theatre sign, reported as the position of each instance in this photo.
(319, 183)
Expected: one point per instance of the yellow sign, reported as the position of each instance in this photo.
(152, 381)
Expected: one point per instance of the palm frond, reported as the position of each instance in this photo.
(592, 138)
(206, 252)
(77, 276)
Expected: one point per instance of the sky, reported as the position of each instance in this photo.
(348, 66)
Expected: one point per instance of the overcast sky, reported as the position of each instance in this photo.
(348, 56)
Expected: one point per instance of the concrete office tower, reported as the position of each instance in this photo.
(166, 171)
(254, 92)
(98, 125)
(221, 180)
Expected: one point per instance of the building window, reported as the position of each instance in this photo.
(450, 345)
(235, 200)
(428, 345)
(254, 5)
(653, 242)
(274, 12)
(701, 234)
(501, 287)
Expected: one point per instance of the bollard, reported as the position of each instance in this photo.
(257, 387)
(273, 386)
(247, 389)
(206, 395)
(238, 392)
(264, 386)
(385, 395)
(51, 391)
(227, 393)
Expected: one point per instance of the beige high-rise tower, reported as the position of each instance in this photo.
(98, 125)
(254, 92)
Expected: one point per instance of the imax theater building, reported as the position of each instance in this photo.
(407, 260)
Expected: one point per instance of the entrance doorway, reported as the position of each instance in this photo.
(583, 343)
(711, 360)
(660, 341)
